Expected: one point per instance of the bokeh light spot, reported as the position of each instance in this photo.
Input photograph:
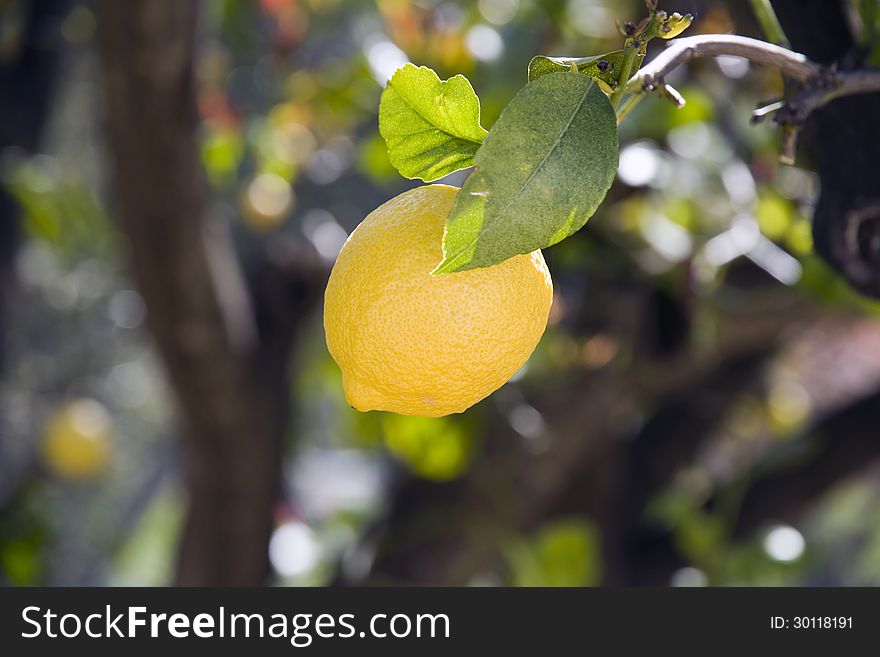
(784, 543)
(293, 549)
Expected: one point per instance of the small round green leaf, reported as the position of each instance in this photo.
(541, 173)
(431, 126)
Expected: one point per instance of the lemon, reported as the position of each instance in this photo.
(77, 442)
(417, 344)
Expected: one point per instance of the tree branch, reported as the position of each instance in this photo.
(846, 83)
(681, 51)
(843, 140)
(821, 85)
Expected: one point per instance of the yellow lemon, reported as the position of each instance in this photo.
(77, 441)
(417, 344)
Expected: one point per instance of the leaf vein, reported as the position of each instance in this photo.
(531, 175)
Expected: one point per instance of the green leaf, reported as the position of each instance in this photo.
(541, 173)
(432, 127)
(602, 67)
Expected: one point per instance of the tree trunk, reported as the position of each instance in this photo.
(199, 309)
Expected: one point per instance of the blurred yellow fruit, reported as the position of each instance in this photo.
(77, 442)
(417, 344)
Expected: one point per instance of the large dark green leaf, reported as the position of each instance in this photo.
(541, 173)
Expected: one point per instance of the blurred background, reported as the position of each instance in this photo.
(176, 180)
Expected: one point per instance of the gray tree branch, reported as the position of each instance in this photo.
(821, 85)
(683, 50)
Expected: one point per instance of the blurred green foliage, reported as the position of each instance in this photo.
(288, 100)
(561, 553)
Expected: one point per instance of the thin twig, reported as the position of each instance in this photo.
(788, 147)
(627, 105)
(763, 112)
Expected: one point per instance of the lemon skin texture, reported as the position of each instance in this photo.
(77, 442)
(416, 344)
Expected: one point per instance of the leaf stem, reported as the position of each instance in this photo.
(627, 105)
(630, 50)
(769, 22)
